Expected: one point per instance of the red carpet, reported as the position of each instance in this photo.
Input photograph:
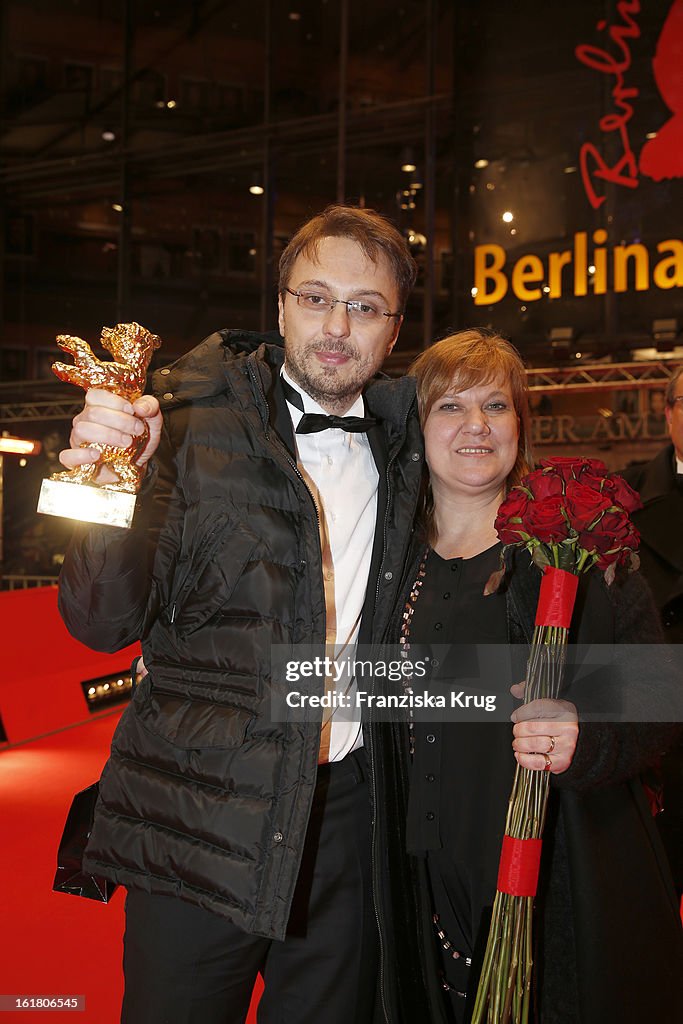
(54, 944)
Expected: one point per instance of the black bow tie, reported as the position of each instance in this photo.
(312, 422)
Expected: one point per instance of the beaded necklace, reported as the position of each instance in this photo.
(404, 644)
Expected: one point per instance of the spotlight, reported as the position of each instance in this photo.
(665, 330)
(665, 333)
(561, 340)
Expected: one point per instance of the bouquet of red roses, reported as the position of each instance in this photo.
(570, 514)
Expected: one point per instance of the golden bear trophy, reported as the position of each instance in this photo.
(75, 494)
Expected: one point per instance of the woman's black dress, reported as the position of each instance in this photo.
(462, 771)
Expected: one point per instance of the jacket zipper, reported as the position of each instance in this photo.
(281, 449)
(373, 774)
(196, 566)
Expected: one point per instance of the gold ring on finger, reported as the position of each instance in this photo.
(548, 763)
(552, 745)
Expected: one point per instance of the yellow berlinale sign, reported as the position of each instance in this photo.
(569, 273)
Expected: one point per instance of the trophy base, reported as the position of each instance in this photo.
(86, 503)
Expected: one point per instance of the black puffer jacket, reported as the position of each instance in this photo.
(204, 795)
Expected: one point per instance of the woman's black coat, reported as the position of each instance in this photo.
(608, 932)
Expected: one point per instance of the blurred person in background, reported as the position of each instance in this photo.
(660, 524)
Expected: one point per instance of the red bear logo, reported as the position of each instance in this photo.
(662, 157)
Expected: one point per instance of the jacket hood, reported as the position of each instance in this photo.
(200, 373)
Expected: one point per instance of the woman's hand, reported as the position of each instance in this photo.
(545, 733)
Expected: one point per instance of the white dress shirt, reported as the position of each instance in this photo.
(340, 471)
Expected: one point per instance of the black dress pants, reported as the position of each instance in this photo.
(186, 965)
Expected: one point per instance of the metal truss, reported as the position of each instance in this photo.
(601, 376)
(25, 412)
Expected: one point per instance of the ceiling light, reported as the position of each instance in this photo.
(408, 160)
(508, 216)
(651, 135)
(117, 207)
(570, 170)
(294, 16)
(256, 188)
(108, 135)
(481, 164)
(171, 104)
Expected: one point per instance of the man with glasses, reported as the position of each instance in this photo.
(660, 523)
(276, 510)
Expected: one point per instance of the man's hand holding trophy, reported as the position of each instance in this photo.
(115, 434)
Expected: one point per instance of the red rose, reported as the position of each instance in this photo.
(544, 520)
(584, 504)
(596, 467)
(543, 483)
(615, 530)
(570, 467)
(514, 507)
(622, 554)
(622, 493)
(590, 477)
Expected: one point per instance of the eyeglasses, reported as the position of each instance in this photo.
(358, 309)
(678, 398)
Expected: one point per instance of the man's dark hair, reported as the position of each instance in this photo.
(671, 387)
(372, 232)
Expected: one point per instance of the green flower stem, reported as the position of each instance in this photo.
(504, 993)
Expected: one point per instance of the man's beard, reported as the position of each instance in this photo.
(335, 388)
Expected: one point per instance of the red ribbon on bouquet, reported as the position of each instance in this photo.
(556, 598)
(520, 861)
